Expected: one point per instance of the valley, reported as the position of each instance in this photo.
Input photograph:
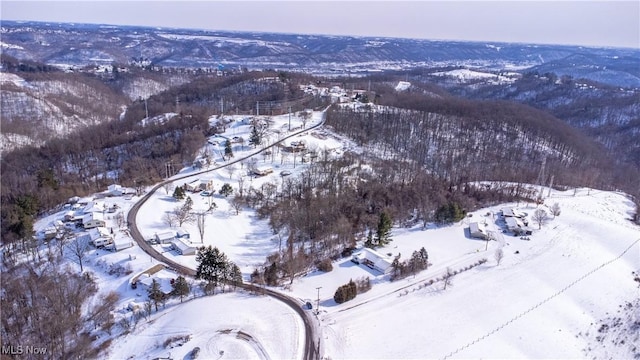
(172, 193)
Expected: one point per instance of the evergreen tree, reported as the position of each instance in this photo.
(155, 293)
(212, 264)
(236, 275)
(178, 193)
(369, 242)
(228, 151)
(424, 257)
(255, 138)
(345, 292)
(180, 287)
(383, 232)
(226, 190)
(271, 275)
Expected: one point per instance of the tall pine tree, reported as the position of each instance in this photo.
(228, 151)
(255, 138)
(212, 265)
(383, 232)
(180, 287)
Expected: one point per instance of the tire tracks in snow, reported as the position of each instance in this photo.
(449, 355)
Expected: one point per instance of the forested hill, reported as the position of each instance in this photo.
(82, 44)
(465, 140)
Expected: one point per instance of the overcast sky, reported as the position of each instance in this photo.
(590, 23)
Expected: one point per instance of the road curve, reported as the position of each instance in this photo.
(311, 349)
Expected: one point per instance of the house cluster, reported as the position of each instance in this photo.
(89, 214)
(516, 221)
(179, 241)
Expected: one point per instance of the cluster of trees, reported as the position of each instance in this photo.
(351, 289)
(419, 261)
(45, 304)
(337, 202)
(461, 140)
(346, 292)
(215, 268)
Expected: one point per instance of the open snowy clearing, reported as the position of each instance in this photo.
(227, 326)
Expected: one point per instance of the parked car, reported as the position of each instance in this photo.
(285, 173)
(206, 193)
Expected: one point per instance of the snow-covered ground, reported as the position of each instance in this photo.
(540, 302)
(225, 326)
(466, 75)
(544, 300)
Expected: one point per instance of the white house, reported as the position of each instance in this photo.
(165, 237)
(164, 277)
(94, 206)
(115, 190)
(373, 260)
(199, 185)
(182, 247)
(99, 236)
(93, 220)
(511, 212)
(477, 231)
(120, 243)
(263, 170)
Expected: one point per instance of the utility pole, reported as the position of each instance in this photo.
(221, 105)
(289, 118)
(257, 108)
(550, 186)
(318, 301)
(146, 109)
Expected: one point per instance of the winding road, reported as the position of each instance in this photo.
(311, 350)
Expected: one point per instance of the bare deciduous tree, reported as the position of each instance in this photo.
(201, 222)
(446, 278)
(499, 255)
(555, 210)
(539, 217)
(167, 187)
(169, 218)
(237, 202)
(78, 250)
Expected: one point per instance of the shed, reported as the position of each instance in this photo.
(477, 231)
(182, 234)
(165, 237)
(182, 247)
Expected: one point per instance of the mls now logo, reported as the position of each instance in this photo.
(23, 350)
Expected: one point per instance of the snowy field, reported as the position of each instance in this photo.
(225, 326)
(529, 306)
(544, 300)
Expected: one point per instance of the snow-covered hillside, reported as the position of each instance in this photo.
(544, 300)
(550, 296)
